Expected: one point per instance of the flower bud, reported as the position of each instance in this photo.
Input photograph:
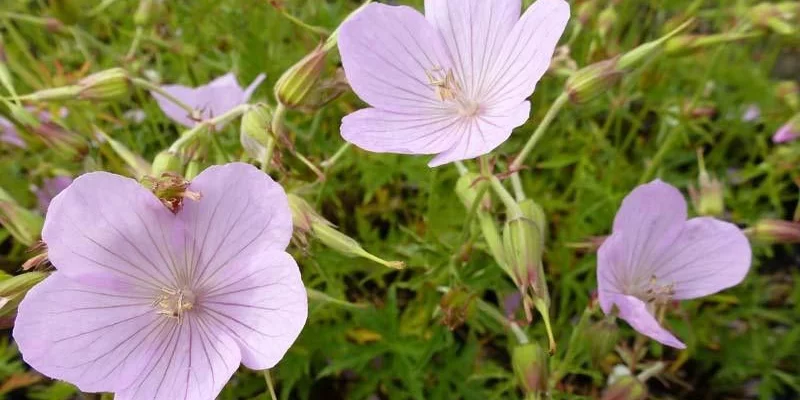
(167, 162)
(789, 131)
(23, 224)
(530, 367)
(110, 84)
(602, 337)
(708, 199)
(144, 15)
(13, 290)
(294, 86)
(256, 131)
(689, 44)
(306, 220)
(626, 388)
(647, 51)
(591, 81)
(523, 244)
(325, 92)
(773, 231)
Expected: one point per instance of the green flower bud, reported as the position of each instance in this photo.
(167, 162)
(23, 224)
(602, 337)
(306, 220)
(773, 231)
(708, 199)
(294, 86)
(256, 131)
(54, 94)
(529, 362)
(13, 290)
(110, 84)
(591, 81)
(626, 388)
(689, 44)
(523, 244)
(325, 92)
(647, 51)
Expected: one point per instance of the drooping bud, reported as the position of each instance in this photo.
(774, 231)
(171, 189)
(708, 199)
(13, 290)
(458, 306)
(626, 388)
(294, 86)
(167, 162)
(789, 131)
(23, 224)
(789, 93)
(307, 220)
(256, 131)
(111, 84)
(530, 367)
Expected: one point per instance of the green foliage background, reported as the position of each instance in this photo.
(390, 342)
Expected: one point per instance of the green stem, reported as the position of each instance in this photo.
(267, 162)
(135, 44)
(513, 209)
(270, 385)
(336, 156)
(557, 105)
(201, 127)
(193, 114)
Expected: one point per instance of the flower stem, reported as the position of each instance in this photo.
(513, 209)
(191, 134)
(135, 44)
(270, 386)
(336, 156)
(157, 89)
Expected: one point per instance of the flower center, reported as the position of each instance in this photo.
(655, 293)
(173, 303)
(449, 90)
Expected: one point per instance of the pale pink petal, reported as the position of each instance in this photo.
(110, 229)
(261, 301)
(387, 52)
(9, 134)
(385, 131)
(788, 132)
(191, 360)
(526, 53)
(481, 134)
(708, 256)
(51, 187)
(474, 31)
(648, 223)
(253, 86)
(175, 113)
(97, 339)
(242, 211)
(634, 311)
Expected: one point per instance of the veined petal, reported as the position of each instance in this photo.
(478, 135)
(111, 230)
(242, 211)
(191, 360)
(635, 312)
(708, 256)
(97, 339)
(262, 303)
(474, 31)
(385, 131)
(649, 221)
(175, 113)
(213, 99)
(526, 53)
(387, 53)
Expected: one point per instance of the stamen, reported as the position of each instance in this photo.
(657, 294)
(449, 90)
(173, 303)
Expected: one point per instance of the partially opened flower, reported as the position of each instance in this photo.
(211, 100)
(655, 255)
(151, 304)
(453, 82)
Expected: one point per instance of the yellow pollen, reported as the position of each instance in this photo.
(448, 89)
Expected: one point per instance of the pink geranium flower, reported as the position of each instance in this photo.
(789, 131)
(655, 255)
(453, 82)
(216, 98)
(154, 305)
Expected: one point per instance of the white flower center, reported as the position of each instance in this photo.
(449, 90)
(173, 303)
(654, 292)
